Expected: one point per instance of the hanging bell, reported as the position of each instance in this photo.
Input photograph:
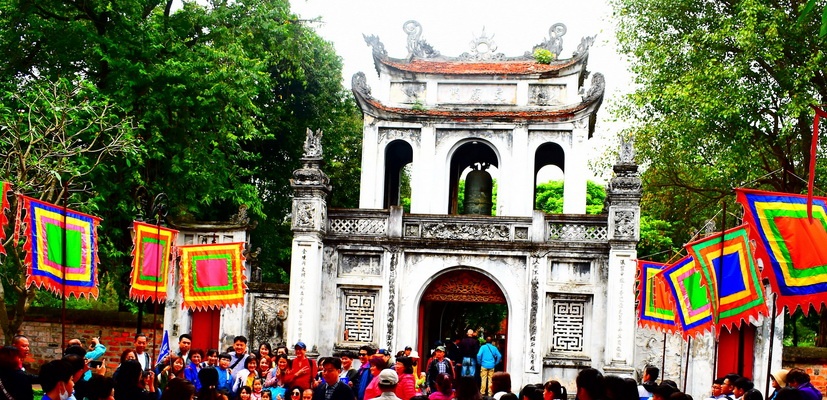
(478, 188)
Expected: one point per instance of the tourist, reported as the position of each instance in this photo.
(94, 353)
(331, 388)
(277, 378)
(194, 366)
(778, 380)
(211, 359)
(184, 343)
(12, 379)
(500, 384)
(268, 395)
(406, 387)
(349, 375)
(553, 390)
(264, 349)
(175, 369)
(789, 393)
(530, 392)
(178, 389)
(488, 357)
(56, 380)
(225, 374)
(128, 385)
(386, 382)
(140, 351)
(741, 386)
(469, 346)
(798, 379)
(100, 388)
(258, 386)
(664, 391)
(296, 393)
(439, 365)
(590, 384)
(239, 356)
(245, 393)
(442, 389)
(22, 344)
(264, 366)
(377, 365)
(304, 369)
(365, 352)
(209, 384)
(717, 393)
(617, 388)
(246, 376)
(307, 394)
(648, 382)
(728, 386)
(77, 367)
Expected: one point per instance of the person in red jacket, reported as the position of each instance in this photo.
(406, 387)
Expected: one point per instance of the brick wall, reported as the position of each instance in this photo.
(813, 360)
(116, 330)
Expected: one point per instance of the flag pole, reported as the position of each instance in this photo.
(159, 210)
(63, 269)
(772, 339)
(663, 359)
(686, 370)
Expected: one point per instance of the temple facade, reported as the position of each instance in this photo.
(388, 277)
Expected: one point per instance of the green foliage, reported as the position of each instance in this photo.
(808, 12)
(544, 56)
(656, 240)
(801, 331)
(722, 99)
(217, 95)
(549, 197)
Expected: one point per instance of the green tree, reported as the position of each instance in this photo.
(722, 99)
(220, 95)
(549, 197)
(53, 137)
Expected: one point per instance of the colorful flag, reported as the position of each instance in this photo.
(790, 248)
(656, 307)
(4, 207)
(691, 294)
(150, 261)
(737, 288)
(212, 275)
(164, 351)
(61, 248)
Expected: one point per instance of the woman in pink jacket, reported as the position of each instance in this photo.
(406, 388)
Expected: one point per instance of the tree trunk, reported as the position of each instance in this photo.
(821, 338)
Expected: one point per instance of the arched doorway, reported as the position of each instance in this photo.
(458, 300)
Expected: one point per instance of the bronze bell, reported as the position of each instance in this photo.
(478, 188)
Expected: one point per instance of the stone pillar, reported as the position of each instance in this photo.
(576, 169)
(624, 232)
(372, 179)
(309, 224)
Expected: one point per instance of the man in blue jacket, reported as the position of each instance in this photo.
(365, 352)
(488, 357)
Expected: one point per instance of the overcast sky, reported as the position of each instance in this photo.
(450, 26)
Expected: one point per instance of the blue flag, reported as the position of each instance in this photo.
(164, 352)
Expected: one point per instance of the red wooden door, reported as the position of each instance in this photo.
(205, 329)
(735, 351)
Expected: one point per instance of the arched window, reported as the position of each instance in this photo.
(398, 154)
(470, 154)
(549, 165)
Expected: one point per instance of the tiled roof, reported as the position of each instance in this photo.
(523, 67)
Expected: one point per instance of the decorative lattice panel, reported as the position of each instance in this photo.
(568, 324)
(359, 314)
(577, 232)
(360, 226)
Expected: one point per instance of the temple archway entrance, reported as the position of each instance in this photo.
(459, 300)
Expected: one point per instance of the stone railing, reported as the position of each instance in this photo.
(541, 228)
(579, 228)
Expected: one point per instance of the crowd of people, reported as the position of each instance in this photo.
(264, 373)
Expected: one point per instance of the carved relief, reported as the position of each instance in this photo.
(359, 315)
(360, 264)
(303, 214)
(443, 135)
(270, 321)
(532, 326)
(554, 43)
(408, 92)
(464, 286)
(520, 233)
(568, 322)
(483, 48)
(546, 95)
(417, 47)
(461, 231)
(624, 222)
(411, 230)
(388, 135)
(391, 296)
(313, 144)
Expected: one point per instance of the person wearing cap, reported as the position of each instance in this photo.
(331, 388)
(439, 365)
(387, 379)
(386, 354)
(778, 380)
(303, 369)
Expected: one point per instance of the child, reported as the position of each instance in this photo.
(245, 393)
(267, 395)
(258, 384)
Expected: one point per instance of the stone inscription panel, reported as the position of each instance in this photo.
(360, 264)
(546, 95)
(359, 315)
(408, 92)
(575, 272)
(464, 93)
